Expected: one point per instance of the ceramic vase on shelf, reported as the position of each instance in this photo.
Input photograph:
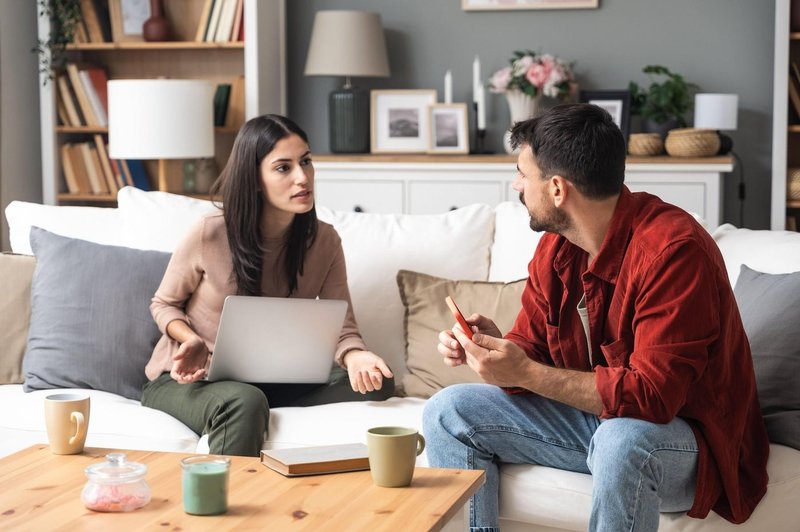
(522, 107)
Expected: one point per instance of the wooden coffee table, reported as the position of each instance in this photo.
(41, 491)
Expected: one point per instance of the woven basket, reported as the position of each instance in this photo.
(692, 142)
(793, 184)
(645, 144)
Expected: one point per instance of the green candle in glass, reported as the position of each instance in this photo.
(205, 484)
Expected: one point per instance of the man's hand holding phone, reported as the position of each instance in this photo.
(449, 347)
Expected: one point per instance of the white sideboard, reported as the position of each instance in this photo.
(428, 184)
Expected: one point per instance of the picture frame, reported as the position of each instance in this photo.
(127, 18)
(448, 128)
(498, 5)
(617, 103)
(399, 120)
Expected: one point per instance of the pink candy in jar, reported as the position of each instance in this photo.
(115, 485)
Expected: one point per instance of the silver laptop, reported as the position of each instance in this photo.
(276, 339)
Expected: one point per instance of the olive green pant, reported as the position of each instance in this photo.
(235, 415)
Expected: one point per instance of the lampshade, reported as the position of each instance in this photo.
(716, 111)
(347, 43)
(160, 119)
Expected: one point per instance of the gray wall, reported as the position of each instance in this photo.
(722, 45)
(20, 162)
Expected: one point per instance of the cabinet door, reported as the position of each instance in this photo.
(436, 197)
(385, 197)
(697, 193)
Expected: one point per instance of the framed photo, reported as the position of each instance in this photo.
(496, 5)
(448, 123)
(127, 19)
(399, 120)
(617, 103)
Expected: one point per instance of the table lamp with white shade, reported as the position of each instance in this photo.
(717, 111)
(160, 119)
(348, 43)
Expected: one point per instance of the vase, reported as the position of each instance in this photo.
(156, 28)
(522, 107)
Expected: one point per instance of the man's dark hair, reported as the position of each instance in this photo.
(579, 142)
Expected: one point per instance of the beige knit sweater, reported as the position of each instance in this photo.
(199, 278)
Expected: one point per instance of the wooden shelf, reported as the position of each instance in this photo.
(793, 204)
(156, 46)
(92, 129)
(795, 128)
(86, 198)
(795, 36)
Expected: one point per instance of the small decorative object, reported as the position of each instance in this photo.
(663, 105)
(793, 184)
(206, 172)
(448, 124)
(400, 120)
(494, 5)
(532, 84)
(617, 103)
(692, 142)
(205, 484)
(115, 485)
(128, 18)
(645, 144)
(156, 28)
(189, 176)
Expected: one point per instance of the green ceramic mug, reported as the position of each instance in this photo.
(393, 452)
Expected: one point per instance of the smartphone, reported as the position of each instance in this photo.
(458, 316)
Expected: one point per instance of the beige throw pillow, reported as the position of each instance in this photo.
(426, 314)
(16, 271)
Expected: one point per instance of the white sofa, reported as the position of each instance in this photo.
(478, 243)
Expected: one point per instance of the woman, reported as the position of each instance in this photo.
(266, 241)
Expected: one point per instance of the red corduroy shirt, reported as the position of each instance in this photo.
(667, 340)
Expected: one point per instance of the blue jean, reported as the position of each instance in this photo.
(639, 468)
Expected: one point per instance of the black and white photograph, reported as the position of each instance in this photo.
(449, 128)
(399, 120)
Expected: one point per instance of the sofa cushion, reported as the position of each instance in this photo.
(771, 317)
(454, 245)
(90, 319)
(762, 250)
(514, 242)
(426, 314)
(16, 271)
(95, 224)
(158, 220)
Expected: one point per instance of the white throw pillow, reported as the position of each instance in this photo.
(761, 250)
(514, 242)
(158, 220)
(454, 245)
(95, 224)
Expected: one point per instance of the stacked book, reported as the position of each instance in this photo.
(221, 21)
(89, 170)
(229, 104)
(82, 96)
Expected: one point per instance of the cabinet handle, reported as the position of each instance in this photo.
(358, 208)
(454, 207)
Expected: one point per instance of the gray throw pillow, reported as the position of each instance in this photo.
(90, 318)
(769, 309)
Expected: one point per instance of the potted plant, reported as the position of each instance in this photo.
(64, 16)
(664, 104)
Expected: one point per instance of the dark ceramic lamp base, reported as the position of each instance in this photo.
(349, 120)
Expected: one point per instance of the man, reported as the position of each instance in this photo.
(628, 359)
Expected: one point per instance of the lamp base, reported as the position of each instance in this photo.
(349, 120)
(725, 144)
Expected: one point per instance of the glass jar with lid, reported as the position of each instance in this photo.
(115, 485)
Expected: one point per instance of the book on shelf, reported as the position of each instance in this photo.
(237, 21)
(794, 95)
(61, 109)
(213, 21)
(69, 172)
(317, 460)
(94, 99)
(221, 96)
(138, 175)
(92, 20)
(79, 167)
(234, 117)
(93, 169)
(99, 80)
(105, 164)
(70, 105)
(226, 20)
(202, 24)
(81, 96)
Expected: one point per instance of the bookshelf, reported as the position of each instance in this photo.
(785, 211)
(260, 59)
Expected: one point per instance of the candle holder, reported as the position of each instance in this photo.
(478, 136)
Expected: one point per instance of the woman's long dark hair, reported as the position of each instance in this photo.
(239, 184)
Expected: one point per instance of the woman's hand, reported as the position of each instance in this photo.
(190, 362)
(366, 370)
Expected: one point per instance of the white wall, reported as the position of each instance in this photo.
(20, 160)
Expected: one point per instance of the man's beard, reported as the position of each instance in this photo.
(553, 221)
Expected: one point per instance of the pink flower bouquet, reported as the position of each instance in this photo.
(534, 74)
